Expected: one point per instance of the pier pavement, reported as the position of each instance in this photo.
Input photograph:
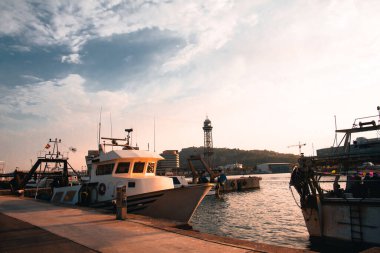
(29, 225)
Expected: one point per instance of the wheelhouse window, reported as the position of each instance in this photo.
(104, 169)
(150, 168)
(138, 167)
(123, 168)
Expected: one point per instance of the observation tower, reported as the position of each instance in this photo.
(207, 147)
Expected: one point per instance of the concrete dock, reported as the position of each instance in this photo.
(28, 225)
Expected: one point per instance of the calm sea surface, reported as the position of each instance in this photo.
(268, 215)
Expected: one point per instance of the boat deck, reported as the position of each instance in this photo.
(89, 230)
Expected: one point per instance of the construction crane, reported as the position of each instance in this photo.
(299, 145)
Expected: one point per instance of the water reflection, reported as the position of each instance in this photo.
(268, 215)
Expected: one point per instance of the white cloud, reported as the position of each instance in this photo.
(31, 78)
(72, 58)
(14, 16)
(31, 114)
(205, 25)
(20, 48)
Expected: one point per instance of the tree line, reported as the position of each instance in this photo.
(249, 158)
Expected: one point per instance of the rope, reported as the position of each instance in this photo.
(290, 187)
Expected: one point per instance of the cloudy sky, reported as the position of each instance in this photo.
(267, 73)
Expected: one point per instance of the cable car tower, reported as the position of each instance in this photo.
(208, 147)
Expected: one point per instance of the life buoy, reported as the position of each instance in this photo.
(102, 189)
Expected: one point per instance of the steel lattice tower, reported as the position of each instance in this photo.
(207, 148)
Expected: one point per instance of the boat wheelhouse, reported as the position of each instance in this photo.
(134, 168)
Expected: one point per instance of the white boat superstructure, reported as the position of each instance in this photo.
(147, 193)
(134, 168)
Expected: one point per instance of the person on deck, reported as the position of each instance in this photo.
(366, 185)
(375, 185)
(350, 180)
(222, 179)
(203, 179)
(357, 186)
(337, 190)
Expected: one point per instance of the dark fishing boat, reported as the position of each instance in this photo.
(350, 213)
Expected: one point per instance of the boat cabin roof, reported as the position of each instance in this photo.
(359, 129)
(131, 154)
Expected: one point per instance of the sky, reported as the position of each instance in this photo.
(268, 74)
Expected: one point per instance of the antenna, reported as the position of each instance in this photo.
(111, 126)
(335, 140)
(129, 131)
(100, 125)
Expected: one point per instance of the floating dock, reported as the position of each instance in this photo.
(93, 230)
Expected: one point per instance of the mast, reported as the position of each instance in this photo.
(100, 126)
(111, 126)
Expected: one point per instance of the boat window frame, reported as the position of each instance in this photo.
(138, 163)
(148, 167)
(120, 163)
(104, 169)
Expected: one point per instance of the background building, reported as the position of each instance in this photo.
(170, 162)
(231, 166)
(274, 168)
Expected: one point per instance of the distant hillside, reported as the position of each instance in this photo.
(249, 158)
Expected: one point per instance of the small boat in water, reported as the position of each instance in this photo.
(349, 214)
(147, 193)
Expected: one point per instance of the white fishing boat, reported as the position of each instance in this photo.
(147, 193)
(350, 213)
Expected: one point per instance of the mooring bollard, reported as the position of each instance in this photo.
(121, 202)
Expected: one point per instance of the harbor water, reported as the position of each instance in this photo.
(268, 215)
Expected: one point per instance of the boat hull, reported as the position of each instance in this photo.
(241, 184)
(350, 219)
(176, 204)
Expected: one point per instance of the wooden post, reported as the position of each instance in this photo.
(121, 202)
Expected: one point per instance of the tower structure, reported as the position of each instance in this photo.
(208, 147)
